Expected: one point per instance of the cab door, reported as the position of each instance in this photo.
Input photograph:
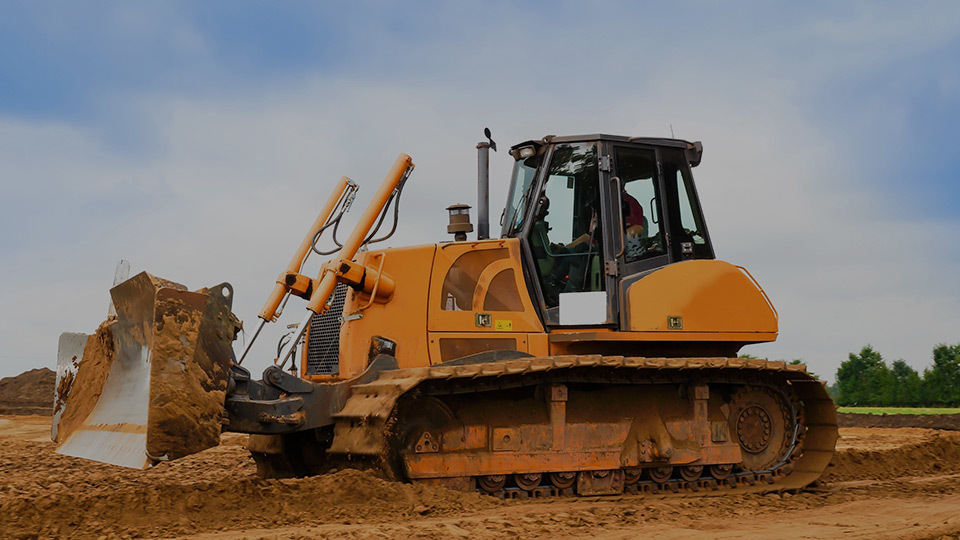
(655, 213)
(568, 239)
(638, 219)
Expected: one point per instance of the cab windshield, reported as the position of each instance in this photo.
(521, 186)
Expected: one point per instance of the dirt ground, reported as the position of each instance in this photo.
(932, 421)
(884, 483)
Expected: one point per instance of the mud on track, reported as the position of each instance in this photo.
(885, 483)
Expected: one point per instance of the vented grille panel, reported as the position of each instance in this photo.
(323, 345)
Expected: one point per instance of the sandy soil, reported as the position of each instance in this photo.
(885, 483)
(932, 421)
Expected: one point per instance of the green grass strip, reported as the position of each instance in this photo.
(900, 410)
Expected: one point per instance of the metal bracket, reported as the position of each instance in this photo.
(611, 269)
(606, 163)
(277, 378)
(427, 444)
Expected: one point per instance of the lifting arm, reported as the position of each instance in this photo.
(331, 272)
(342, 196)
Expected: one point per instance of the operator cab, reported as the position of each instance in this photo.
(597, 212)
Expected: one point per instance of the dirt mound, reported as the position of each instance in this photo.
(30, 392)
(930, 421)
(939, 454)
(346, 496)
(53, 495)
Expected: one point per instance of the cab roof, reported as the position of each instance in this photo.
(694, 149)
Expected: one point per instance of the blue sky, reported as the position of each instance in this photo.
(829, 168)
(850, 65)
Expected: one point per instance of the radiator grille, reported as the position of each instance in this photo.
(323, 339)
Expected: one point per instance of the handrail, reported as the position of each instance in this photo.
(623, 241)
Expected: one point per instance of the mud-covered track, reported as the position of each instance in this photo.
(371, 413)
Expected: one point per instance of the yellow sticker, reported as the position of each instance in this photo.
(503, 326)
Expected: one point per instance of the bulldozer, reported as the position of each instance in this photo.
(591, 349)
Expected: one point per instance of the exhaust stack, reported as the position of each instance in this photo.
(483, 185)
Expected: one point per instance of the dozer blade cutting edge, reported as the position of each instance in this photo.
(150, 385)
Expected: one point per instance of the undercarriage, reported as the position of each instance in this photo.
(585, 425)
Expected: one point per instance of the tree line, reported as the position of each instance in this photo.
(865, 379)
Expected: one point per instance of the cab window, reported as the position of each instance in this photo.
(690, 230)
(565, 236)
(639, 204)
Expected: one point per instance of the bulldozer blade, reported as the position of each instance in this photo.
(69, 354)
(150, 386)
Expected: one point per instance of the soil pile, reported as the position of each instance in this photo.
(930, 421)
(31, 392)
(48, 495)
(936, 454)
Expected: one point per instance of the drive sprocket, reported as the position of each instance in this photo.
(765, 424)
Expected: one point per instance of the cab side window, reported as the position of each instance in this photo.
(690, 230)
(639, 204)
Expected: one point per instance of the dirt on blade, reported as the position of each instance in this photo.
(87, 383)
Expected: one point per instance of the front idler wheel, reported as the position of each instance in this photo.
(419, 422)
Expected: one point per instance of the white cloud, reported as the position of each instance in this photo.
(230, 184)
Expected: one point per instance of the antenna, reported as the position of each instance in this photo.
(672, 136)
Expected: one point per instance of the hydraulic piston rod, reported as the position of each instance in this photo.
(327, 280)
(342, 195)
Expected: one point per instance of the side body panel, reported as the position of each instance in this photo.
(403, 319)
(479, 300)
(461, 298)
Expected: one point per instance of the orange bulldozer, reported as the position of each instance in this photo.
(592, 348)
